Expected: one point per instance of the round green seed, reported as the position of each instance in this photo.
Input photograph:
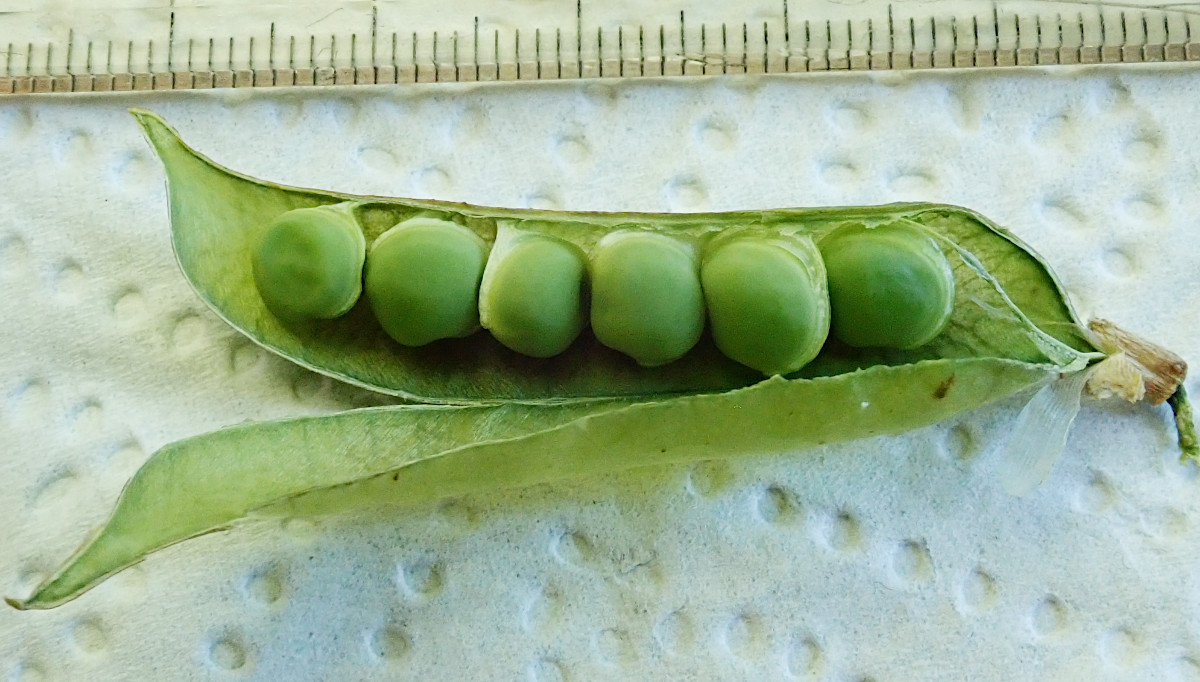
(889, 286)
(533, 297)
(768, 305)
(646, 297)
(308, 263)
(422, 280)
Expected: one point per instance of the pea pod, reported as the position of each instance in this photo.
(1007, 304)
(1011, 329)
(410, 453)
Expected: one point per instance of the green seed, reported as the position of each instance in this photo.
(646, 297)
(531, 298)
(309, 263)
(422, 280)
(767, 300)
(890, 286)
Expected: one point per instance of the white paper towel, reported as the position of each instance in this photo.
(885, 559)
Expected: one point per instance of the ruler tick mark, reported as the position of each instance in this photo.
(641, 51)
(828, 42)
(374, 32)
(682, 36)
(787, 35)
(662, 49)
(724, 50)
(891, 29)
(745, 44)
(621, 51)
(766, 45)
(852, 43)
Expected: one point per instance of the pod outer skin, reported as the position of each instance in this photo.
(412, 453)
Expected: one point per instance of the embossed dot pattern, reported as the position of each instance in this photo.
(546, 670)
(776, 505)
(389, 643)
(836, 563)
(421, 578)
(675, 634)
(89, 636)
(805, 658)
(709, 478)
(911, 563)
(978, 592)
(227, 653)
(542, 610)
(1049, 617)
(265, 586)
(960, 443)
(744, 637)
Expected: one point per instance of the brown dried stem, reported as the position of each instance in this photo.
(1139, 370)
(1161, 371)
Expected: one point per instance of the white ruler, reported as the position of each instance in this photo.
(106, 45)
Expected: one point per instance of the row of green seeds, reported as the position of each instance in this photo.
(770, 297)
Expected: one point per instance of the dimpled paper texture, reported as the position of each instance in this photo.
(894, 558)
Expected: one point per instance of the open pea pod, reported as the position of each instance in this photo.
(1011, 330)
(1007, 303)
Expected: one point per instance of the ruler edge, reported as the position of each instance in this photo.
(290, 79)
(683, 63)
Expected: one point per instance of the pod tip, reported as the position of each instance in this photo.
(16, 603)
(143, 115)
